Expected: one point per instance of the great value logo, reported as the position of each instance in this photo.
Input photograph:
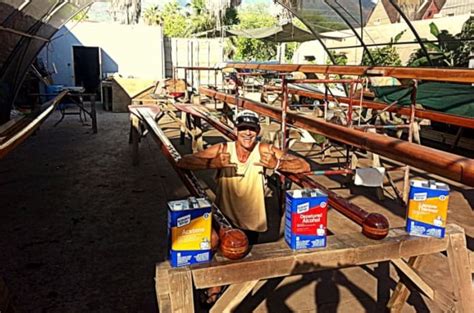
(420, 196)
(183, 220)
(304, 207)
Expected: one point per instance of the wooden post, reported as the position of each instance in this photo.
(162, 287)
(181, 290)
(459, 266)
(182, 129)
(93, 114)
(135, 136)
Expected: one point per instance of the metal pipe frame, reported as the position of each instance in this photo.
(451, 166)
(198, 68)
(362, 43)
(420, 113)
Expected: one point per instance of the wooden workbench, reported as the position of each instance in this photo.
(174, 286)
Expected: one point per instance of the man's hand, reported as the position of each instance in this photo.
(222, 160)
(268, 160)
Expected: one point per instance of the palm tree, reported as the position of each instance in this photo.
(131, 9)
(218, 9)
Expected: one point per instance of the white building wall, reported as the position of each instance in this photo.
(197, 53)
(457, 7)
(130, 50)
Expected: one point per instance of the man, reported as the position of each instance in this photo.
(240, 177)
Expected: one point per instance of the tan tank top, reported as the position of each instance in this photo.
(240, 192)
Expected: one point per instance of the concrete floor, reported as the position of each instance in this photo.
(81, 229)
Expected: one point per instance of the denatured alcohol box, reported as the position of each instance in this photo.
(189, 231)
(427, 208)
(306, 218)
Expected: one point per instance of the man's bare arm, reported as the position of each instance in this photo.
(212, 157)
(293, 164)
(274, 158)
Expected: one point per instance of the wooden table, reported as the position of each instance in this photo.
(174, 286)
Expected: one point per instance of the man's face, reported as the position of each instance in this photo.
(247, 136)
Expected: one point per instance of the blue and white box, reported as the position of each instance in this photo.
(306, 218)
(189, 231)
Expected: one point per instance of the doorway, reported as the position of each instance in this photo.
(87, 69)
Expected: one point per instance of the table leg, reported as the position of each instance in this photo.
(181, 290)
(401, 293)
(459, 266)
(93, 115)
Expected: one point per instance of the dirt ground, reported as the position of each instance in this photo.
(81, 229)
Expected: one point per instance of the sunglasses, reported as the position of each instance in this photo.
(247, 127)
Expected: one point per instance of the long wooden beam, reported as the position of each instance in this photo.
(455, 167)
(461, 121)
(271, 260)
(25, 132)
(373, 225)
(434, 74)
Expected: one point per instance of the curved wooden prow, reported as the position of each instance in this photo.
(18, 131)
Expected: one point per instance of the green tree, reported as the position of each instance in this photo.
(462, 53)
(200, 19)
(177, 22)
(126, 11)
(231, 17)
(384, 56)
(151, 16)
(290, 50)
(171, 18)
(340, 58)
(449, 50)
(254, 16)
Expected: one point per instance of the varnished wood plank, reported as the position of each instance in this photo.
(181, 290)
(462, 121)
(434, 74)
(4, 128)
(232, 297)
(26, 131)
(276, 259)
(412, 274)
(446, 164)
(460, 268)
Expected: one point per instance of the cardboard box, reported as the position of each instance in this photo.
(306, 218)
(427, 208)
(189, 231)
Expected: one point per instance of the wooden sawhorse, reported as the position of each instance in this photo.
(174, 286)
